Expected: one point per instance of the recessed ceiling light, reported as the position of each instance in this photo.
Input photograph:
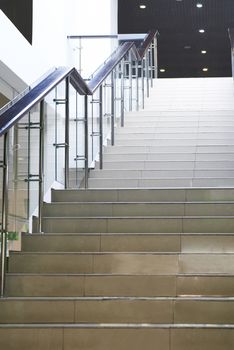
(205, 69)
(201, 30)
(142, 6)
(199, 5)
(187, 47)
(162, 70)
(203, 52)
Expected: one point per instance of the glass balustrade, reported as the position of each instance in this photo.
(63, 135)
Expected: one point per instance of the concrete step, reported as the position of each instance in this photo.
(173, 128)
(203, 182)
(168, 157)
(175, 142)
(169, 165)
(144, 195)
(159, 174)
(110, 209)
(111, 310)
(121, 263)
(154, 224)
(142, 242)
(169, 149)
(163, 133)
(75, 285)
(116, 336)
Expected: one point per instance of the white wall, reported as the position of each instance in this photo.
(92, 17)
(50, 31)
(22, 63)
(16, 56)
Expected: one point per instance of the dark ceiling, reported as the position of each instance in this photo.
(180, 43)
(20, 14)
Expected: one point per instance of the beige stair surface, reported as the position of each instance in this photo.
(144, 258)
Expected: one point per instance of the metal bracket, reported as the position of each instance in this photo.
(79, 120)
(33, 126)
(80, 158)
(33, 178)
(95, 101)
(108, 115)
(60, 101)
(95, 134)
(108, 85)
(60, 145)
(28, 126)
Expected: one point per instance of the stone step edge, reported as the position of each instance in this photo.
(119, 298)
(196, 274)
(137, 217)
(137, 202)
(122, 253)
(142, 189)
(118, 325)
(51, 234)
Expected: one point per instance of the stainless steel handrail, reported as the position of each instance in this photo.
(123, 57)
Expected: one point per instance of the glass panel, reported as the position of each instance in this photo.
(107, 110)
(82, 52)
(77, 140)
(93, 123)
(18, 203)
(118, 94)
(59, 142)
(49, 143)
(1, 179)
(33, 167)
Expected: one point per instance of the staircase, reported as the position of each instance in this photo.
(183, 138)
(142, 267)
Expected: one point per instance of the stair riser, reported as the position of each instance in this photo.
(118, 285)
(107, 243)
(155, 134)
(115, 338)
(160, 165)
(137, 209)
(144, 195)
(159, 127)
(173, 174)
(117, 311)
(163, 183)
(113, 157)
(139, 225)
(75, 286)
(121, 263)
(214, 149)
(129, 243)
(175, 142)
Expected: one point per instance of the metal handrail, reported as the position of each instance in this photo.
(14, 113)
(146, 43)
(114, 60)
(127, 59)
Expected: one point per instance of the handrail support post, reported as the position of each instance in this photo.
(112, 108)
(67, 117)
(41, 166)
(122, 92)
(101, 127)
(86, 126)
(4, 217)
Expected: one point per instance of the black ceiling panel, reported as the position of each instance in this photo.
(20, 12)
(178, 23)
